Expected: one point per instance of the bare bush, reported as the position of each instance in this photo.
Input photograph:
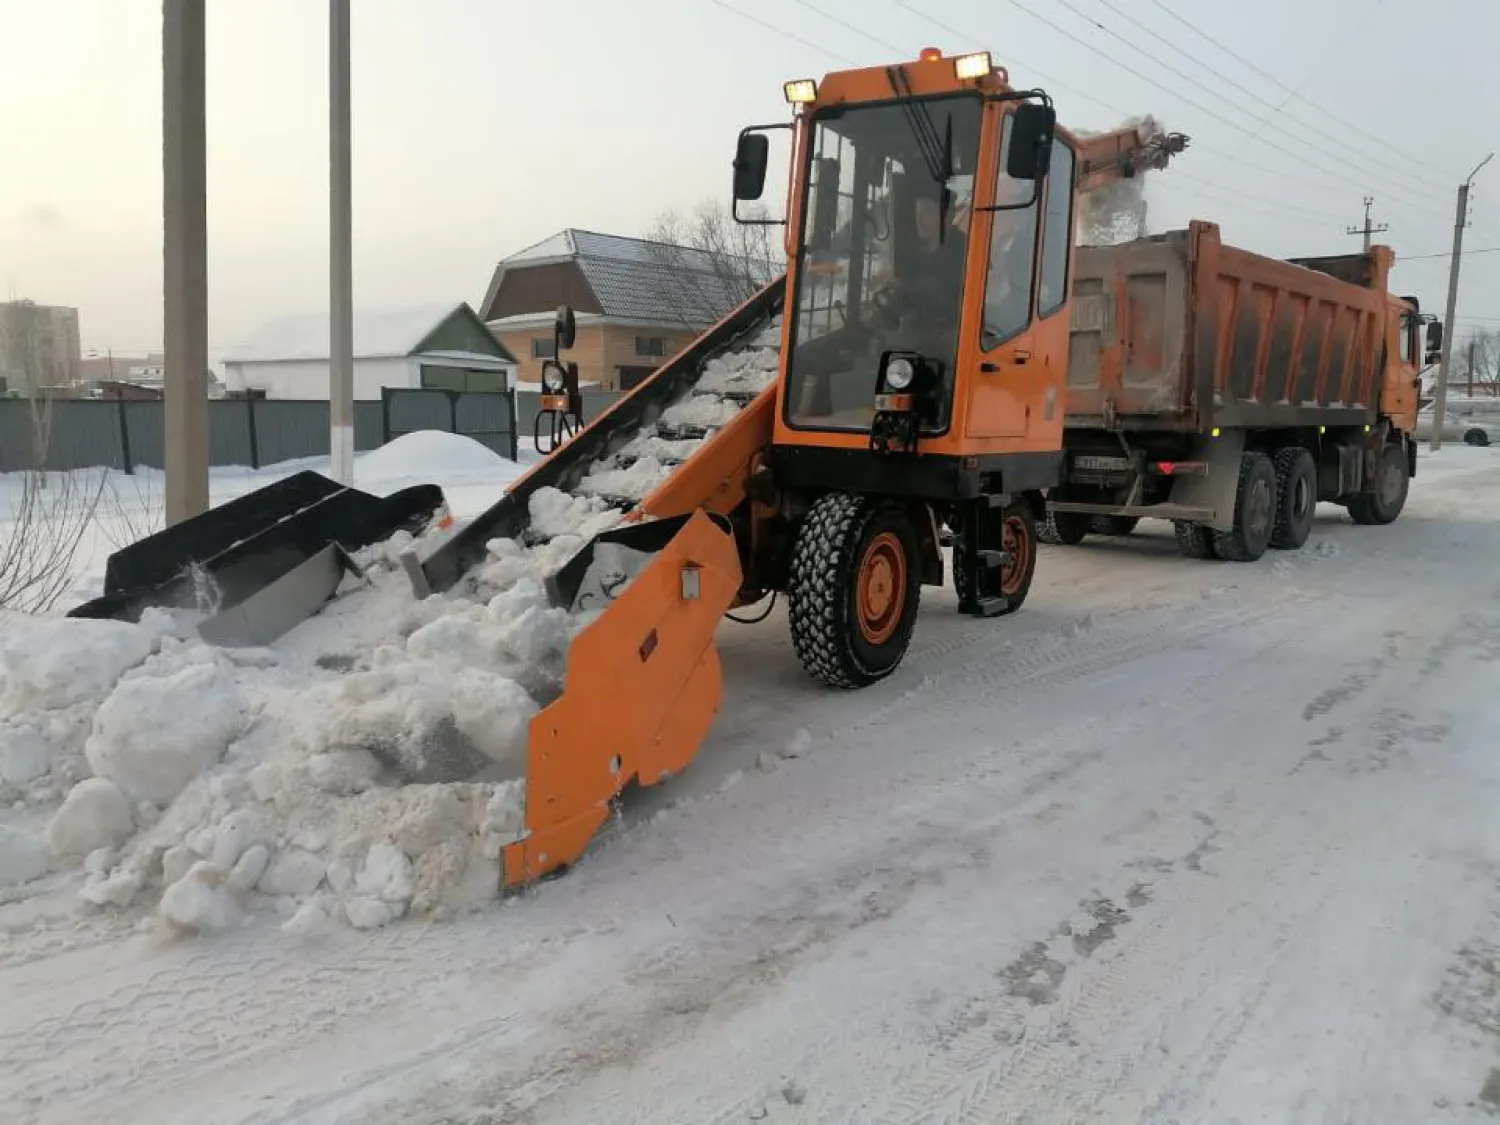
(129, 514)
(713, 263)
(48, 517)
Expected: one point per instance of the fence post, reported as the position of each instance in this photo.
(254, 434)
(453, 412)
(127, 462)
(515, 426)
(385, 415)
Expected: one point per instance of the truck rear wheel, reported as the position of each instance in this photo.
(1296, 498)
(1254, 512)
(1063, 529)
(854, 588)
(1383, 503)
(1194, 541)
(1113, 525)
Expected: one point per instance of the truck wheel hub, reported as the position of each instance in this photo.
(881, 588)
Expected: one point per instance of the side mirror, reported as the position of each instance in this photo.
(565, 330)
(825, 204)
(1434, 341)
(751, 156)
(1029, 154)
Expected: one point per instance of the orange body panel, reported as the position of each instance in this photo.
(714, 477)
(642, 687)
(1180, 331)
(1013, 409)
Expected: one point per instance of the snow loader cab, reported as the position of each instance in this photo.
(925, 345)
(561, 408)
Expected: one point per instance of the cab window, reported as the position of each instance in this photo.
(1007, 288)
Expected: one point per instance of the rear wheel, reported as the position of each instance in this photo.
(1254, 512)
(1018, 537)
(854, 588)
(1194, 541)
(1063, 529)
(1476, 437)
(1383, 503)
(1113, 525)
(1296, 498)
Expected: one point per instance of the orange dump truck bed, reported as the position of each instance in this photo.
(1180, 332)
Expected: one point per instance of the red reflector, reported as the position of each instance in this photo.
(1166, 467)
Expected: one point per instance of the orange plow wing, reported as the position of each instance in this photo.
(641, 690)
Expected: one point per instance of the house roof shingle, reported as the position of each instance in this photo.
(640, 280)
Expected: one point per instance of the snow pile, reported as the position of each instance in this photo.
(367, 767)
(426, 454)
(1115, 212)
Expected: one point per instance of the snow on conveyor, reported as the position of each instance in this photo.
(365, 767)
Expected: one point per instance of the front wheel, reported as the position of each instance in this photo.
(1383, 503)
(854, 588)
(1476, 437)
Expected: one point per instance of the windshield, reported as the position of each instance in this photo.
(884, 237)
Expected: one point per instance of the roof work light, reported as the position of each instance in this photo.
(802, 91)
(976, 65)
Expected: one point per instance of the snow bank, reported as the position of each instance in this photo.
(367, 767)
(434, 453)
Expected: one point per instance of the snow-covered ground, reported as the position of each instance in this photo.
(1181, 841)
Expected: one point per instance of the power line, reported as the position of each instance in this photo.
(784, 33)
(1232, 53)
(1178, 94)
(1261, 98)
(1448, 253)
(850, 27)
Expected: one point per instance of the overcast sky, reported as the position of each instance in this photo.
(481, 126)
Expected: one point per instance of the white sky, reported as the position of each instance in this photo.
(484, 125)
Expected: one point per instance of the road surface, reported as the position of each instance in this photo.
(1181, 842)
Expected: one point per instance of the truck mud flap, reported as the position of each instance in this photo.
(226, 556)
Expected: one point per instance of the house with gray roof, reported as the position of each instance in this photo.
(442, 346)
(637, 302)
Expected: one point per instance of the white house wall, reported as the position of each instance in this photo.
(308, 379)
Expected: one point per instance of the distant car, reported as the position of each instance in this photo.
(1455, 428)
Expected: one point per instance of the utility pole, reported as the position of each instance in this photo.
(1367, 229)
(1472, 343)
(340, 251)
(1460, 220)
(185, 259)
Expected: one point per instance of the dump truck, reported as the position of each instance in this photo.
(1230, 392)
(899, 388)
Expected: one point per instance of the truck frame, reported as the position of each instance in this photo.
(1230, 393)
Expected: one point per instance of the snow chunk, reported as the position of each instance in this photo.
(371, 913)
(554, 513)
(699, 412)
(248, 870)
(662, 449)
(59, 662)
(200, 902)
(24, 755)
(23, 857)
(386, 875)
(94, 815)
(155, 733)
(309, 921)
(293, 872)
(634, 483)
(429, 454)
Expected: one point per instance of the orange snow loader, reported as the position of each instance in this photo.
(898, 389)
(916, 401)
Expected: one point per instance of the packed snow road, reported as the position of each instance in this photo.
(1182, 842)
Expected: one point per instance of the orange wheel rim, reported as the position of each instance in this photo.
(1017, 544)
(880, 589)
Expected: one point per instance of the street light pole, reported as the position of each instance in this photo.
(184, 260)
(1440, 405)
(340, 249)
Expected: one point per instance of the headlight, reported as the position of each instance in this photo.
(898, 374)
(552, 380)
